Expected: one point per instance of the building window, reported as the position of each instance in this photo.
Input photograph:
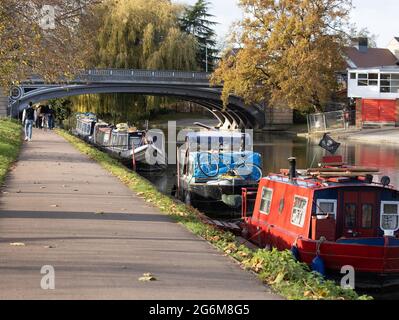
(326, 207)
(367, 79)
(389, 83)
(389, 217)
(363, 80)
(266, 202)
(299, 211)
(353, 76)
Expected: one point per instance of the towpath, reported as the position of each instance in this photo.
(61, 209)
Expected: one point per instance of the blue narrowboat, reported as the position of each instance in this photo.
(213, 167)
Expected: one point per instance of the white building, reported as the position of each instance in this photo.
(376, 91)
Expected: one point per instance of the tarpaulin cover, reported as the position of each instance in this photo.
(227, 161)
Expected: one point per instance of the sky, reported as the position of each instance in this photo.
(380, 17)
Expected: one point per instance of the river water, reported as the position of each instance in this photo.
(276, 148)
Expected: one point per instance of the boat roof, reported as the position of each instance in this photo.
(216, 134)
(317, 183)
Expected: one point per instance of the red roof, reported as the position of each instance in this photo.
(373, 57)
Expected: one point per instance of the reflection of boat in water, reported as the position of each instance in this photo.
(213, 167)
(141, 149)
(330, 217)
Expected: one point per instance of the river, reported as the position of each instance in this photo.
(276, 148)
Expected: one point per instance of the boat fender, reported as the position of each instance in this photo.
(318, 263)
(295, 250)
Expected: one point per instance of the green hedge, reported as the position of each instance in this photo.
(10, 144)
(277, 269)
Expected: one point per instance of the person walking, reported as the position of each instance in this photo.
(346, 118)
(51, 117)
(29, 116)
(39, 119)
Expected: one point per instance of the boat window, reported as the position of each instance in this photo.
(265, 204)
(105, 139)
(350, 215)
(367, 216)
(114, 139)
(389, 216)
(326, 207)
(299, 211)
(123, 142)
(135, 141)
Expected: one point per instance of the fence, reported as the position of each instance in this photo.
(330, 121)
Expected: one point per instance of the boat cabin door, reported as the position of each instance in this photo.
(359, 215)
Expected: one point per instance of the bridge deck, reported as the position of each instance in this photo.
(52, 197)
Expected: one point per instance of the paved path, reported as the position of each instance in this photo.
(53, 202)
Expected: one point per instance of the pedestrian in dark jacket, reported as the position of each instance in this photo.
(28, 118)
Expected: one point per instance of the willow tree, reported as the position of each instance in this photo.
(290, 51)
(138, 34)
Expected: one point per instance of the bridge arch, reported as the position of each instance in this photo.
(194, 88)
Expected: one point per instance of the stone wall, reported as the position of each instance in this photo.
(279, 116)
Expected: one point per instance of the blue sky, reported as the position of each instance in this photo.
(380, 17)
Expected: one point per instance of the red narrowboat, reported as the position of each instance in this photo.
(335, 213)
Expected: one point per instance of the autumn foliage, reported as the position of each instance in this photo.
(289, 52)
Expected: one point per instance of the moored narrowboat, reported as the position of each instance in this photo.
(213, 166)
(330, 217)
(85, 123)
(144, 150)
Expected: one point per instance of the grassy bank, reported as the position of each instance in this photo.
(279, 270)
(10, 144)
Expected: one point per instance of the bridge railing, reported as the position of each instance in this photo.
(99, 75)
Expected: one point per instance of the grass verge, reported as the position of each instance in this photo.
(10, 144)
(279, 270)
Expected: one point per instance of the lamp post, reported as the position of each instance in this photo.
(206, 58)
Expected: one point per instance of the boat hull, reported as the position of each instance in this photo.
(214, 197)
(374, 260)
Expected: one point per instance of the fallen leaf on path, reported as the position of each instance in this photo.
(49, 247)
(147, 277)
(17, 244)
(43, 187)
(99, 212)
(54, 206)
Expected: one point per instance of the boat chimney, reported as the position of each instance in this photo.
(292, 162)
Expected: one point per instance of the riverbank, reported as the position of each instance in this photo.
(10, 144)
(279, 270)
(371, 136)
(385, 136)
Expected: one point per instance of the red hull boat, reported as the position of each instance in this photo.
(335, 213)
